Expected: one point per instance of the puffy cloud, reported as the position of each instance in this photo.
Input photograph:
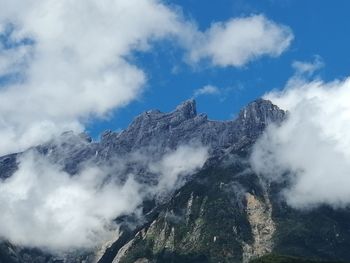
(207, 90)
(78, 67)
(312, 146)
(241, 40)
(43, 206)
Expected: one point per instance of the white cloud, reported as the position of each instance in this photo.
(174, 165)
(313, 144)
(308, 68)
(241, 40)
(13, 60)
(78, 67)
(207, 90)
(43, 206)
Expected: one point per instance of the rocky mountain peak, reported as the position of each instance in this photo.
(187, 109)
(261, 111)
(182, 126)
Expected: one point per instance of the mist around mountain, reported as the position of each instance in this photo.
(268, 184)
(172, 187)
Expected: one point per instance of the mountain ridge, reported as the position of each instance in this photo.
(222, 213)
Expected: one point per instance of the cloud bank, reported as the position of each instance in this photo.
(312, 145)
(44, 206)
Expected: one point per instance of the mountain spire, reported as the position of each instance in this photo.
(187, 109)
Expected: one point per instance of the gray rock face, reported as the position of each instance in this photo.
(182, 126)
(8, 165)
(155, 132)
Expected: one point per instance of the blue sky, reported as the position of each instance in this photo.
(320, 28)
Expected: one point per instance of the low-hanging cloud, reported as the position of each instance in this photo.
(312, 146)
(44, 206)
(175, 165)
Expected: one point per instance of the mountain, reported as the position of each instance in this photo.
(222, 213)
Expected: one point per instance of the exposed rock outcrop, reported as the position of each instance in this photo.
(259, 214)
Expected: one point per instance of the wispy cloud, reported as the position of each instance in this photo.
(308, 68)
(207, 90)
(14, 55)
(174, 165)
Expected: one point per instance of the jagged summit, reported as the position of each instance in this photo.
(187, 108)
(183, 125)
(261, 111)
(158, 132)
(184, 111)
